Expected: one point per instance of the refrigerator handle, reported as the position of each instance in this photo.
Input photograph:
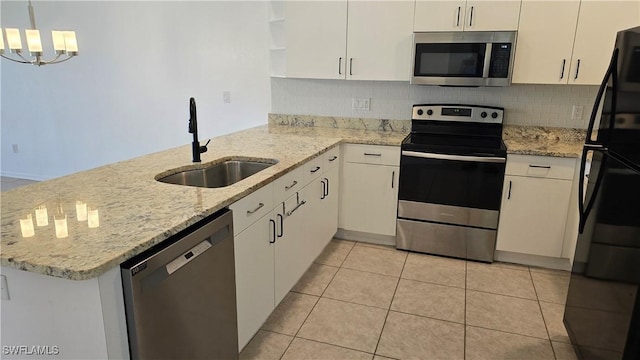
(611, 70)
(585, 210)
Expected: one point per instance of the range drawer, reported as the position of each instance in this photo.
(541, 166)
(372, 154)
(251, 208)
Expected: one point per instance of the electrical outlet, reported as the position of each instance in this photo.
(576, 114)
(5, 289)
(362, 104)
(226, 97)
(15, 149)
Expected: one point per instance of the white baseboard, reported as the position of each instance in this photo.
(533, 260)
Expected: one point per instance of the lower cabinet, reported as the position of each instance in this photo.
(277, 239)
(254, 255)
(535, 205)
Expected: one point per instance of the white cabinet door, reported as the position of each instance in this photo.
(533, 215)
(472, 15)
(369, 198)
(491, 15)
(329, 205)
(598, 23)
(545, 41)
(254, 254)
(316, 39)
(379, 40)
(291, 243)
(438, 15)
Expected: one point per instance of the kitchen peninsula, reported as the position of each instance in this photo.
(70, 292)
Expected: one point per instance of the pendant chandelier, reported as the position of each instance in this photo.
(65, 44)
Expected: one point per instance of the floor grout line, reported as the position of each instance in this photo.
(544, 321)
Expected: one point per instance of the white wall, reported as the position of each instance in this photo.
(127, 93)
(543, 105)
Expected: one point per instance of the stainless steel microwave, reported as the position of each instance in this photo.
(474, 58)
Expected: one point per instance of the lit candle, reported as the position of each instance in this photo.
(26, 226)
(94, 219)
(70, 42)
(58, 41)
(61, 226)
(33, 42)
(13, 40)
(81, 211)
(42, 217)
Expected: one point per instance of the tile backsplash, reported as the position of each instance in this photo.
(528, 105)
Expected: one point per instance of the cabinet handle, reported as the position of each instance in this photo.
(290, 212)
(564, 61)
(577, 70)
(281, 220)
(249, 212)
(294, 183)
(458, 17)
(471, 17)
(339, 66)
(327, 180)
(324, 190)
(393, 179)
(271, 221)
(541, 166)
(509, 194)
(351, 66)
(372, 154)
(333, 158)
(315, 169)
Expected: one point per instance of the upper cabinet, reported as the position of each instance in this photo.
(472, 15)
(570, 41)
(359, 40)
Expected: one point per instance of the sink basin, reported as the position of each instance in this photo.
(217, 175)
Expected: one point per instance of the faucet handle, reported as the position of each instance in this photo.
(203, 148)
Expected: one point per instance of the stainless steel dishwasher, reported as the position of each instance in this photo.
(180, 296)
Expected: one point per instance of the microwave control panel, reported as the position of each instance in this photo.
(500, 59)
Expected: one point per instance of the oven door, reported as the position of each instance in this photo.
(451, 189)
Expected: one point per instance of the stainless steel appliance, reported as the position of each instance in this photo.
(463, 58)
(450, 185)
(602, 313)
(180, 297)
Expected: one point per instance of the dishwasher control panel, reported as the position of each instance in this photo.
(184, 259)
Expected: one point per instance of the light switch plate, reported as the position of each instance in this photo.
(5, 289)
(576, 114)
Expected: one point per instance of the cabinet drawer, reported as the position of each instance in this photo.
(312, 169)
(331, 158)
(288, 184)
(541, 166)
(372, 154)
(251, 208)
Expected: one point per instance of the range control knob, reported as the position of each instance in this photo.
(420, 112)
(429, 112)
(483, 114)
(494, 114)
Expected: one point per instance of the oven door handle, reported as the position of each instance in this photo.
(484, 159)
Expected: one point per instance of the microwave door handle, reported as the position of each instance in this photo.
(487, 60)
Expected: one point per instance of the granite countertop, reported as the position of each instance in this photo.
(543, 141)
(136, 212)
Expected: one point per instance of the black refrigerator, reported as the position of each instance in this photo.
(602, 313)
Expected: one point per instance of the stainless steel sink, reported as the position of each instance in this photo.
(218, 174)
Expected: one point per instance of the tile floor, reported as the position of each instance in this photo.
(362, 301)
(8, 183)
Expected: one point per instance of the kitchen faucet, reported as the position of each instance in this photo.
(196, 149)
